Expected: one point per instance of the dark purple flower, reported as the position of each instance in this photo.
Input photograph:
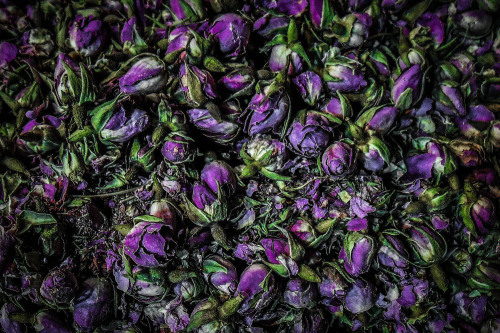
(407, 88)
(450, 100)
(428, 245)
(238, 80)
(340, 108)
(266, 113)
(147, 243)
(221, 128)
(482, 213)
(231, 32)
(316, 9)
(332, 283)
(8, 52)
(436, 27)
(37, 43)
(338, 160)
(203, 197)
(257, 287)
(65, 89)
(300, 294)
(477, 119)
(470, 154)
(382, 120)
(357, 5)
(146, 76)
(93, 303)
(357, 253)
(198, 85)
(474, 22)
(472, 308)
(127, 33)
(268, 153)
(275, 249)
(393, 254)
(304, 231)
(219, 175)
(59, 286)
(309, 134)
(220, 273)
(288, 7)
(7, 250)
(8, 324)
(189, 10)
(121, 128)
(359, 297)
(269, 26)
(142, 283)
(47, 322)
(309, 85)
(280, 56)
(188, 289)
(182, 40)
(342, 77)
(413, 293)
(87, 35)
(176, 149)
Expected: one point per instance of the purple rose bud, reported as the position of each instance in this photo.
(121, 128)
(37, 43)
(469, 154)
(220, 274)
(147, 243)
(127, 33)
(338, 160)
(472, 308)
(332, 284)
(47, 322)
(8, 52)
(92, 304)
(231, 32)
(339, 107)
(275, 249)
(257, 287)
(474, 22)
(380, 61)
(393, 254)
(189, 10)
(357, 253)
(221, 126)
(266, 113)
(65, 89)
(146, 76)
(494, 134)
(7, 250)
(146, 285)
(477, 119)
(269, 26)
(176, 149)
(449, 99)
(182, 40)
(280, 54)
(342, 77)
(435, 25)
(8, 324)
(238, 80)
(316, 8)
(219, 175)
(482, 213)
(359, 297)
(382, 120)
(357, 5)
(375, 154)
(428, 245)
(59, 286)
(87, 35)
(407, 88)
(203, 198)
(188, 289)
(288, 7)
(309, 86)
(164, 210)
(309, 134)
(198, 85)
(300, 294)
(304, 231)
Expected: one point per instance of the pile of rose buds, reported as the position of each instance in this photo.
(249, 166)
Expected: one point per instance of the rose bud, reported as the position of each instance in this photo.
(339, 107)
(8, 52)
(343, 77)
(59, 286)
(218, 124)
(478, 214)
(332, 284)
(37, 43)
(164, 210)
(393, 253)
(304, 231)
(309, 134)
(66, 89)
(184, 40)
(494, 135)
(144, 284)
(357, 5)
(93, 304)
(276, 249)
(47, 322)
(309, 86)
(188, 289)
(380, 62)
(291, 8)
(474, 22)
(189, 10)
(357, 253)
(256, 288)
(319, 17)
(262, 153)
(220, 274)
(461, 261)
(87, 35)
(472, 308)
(147, 243)
(338, 160)
(239, 81)
(280, 55)
(177, 149)
(121, 128)
(428, 246)
(7, 250)
(382, 120)
(408, 87)
(231, 32)
(266, 113)
(204, 320)
(485, 276)
(359, 297)
(197, 85)
(375, 154)
(351, 30)
(268, 26)
(219, 175)
(203, 198)
(477, 120)
(146, 76)
(127, 33)
(449, 99)
(300, 294)
(8, 324)
(470, 154)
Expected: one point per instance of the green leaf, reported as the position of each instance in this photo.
(292, 33)
(147, 218)
(296, 47)
(102, 113)
(308, 274)
(212, 266)
(328, 14)
(87, 89)
(29, 218)
(273, 175)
